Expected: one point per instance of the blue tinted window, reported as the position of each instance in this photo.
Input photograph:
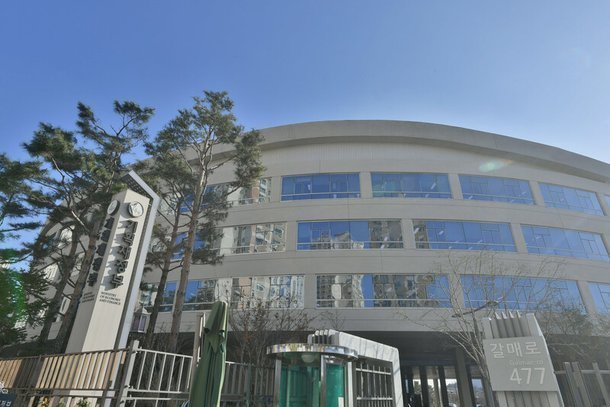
(320, 186)
(382, 290)
(452, 235)
(496, 189)
(557, 196)
(564, 242)
(356, 234)
(180, 242)
(601, 296)
(410, 185)
(521, 293)
(168, 297)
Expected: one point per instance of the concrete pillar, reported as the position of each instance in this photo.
(408, 237)
(366, 186)
(587, 298)
(454, 184)
(276, 189)
(605, 204)
(536, 194)
(520, 245)
(463, 378)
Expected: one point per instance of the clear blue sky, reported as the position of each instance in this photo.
(538, 70)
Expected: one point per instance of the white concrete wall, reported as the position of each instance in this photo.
(378, 147)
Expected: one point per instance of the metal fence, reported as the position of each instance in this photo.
(129, 377)
(373, 384)
(584, 387)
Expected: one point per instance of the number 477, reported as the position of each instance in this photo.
(527, 375)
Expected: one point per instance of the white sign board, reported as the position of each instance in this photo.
(519, 364)
(102, 304)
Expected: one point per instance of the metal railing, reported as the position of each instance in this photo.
(132, 376)
(584, 387)
(373, 384)
(67, 378)
(351, 245)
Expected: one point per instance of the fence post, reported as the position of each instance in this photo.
(578, 376)
(123, 388)
(573, 384)
(602, 385)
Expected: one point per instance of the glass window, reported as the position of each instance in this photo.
(453, 235)
(522, 293)
(258, 193)
(382, 290)
(148, 293)
(410, 185)
(355, 234)
(496, 189)
(564, 242)
(601, 296)
(178, 252)
(261, 238)
(272, 291)
(320, 186)
(201, 294)
(557, 196)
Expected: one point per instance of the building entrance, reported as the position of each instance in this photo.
(440, 386)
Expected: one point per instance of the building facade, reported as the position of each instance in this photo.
(355, 221)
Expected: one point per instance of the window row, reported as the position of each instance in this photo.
(387, 234)
(384, 291)
(436, 185)
(405, 185)
(258, 193)
(240, 292)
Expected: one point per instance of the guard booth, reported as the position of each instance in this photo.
(335, 369)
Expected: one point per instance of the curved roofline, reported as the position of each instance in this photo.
(394, 131)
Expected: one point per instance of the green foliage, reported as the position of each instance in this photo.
(21, 293)
(82, 170)
(186, 155)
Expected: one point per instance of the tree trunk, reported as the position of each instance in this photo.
(61, 341)
(67, 265)
(167, 260)
(186, 267)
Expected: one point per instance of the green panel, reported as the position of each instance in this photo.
(335, 385)
(300, 386)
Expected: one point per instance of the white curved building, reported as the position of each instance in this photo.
(354, 221)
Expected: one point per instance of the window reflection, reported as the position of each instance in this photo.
(382, 290)
(564, 242)
(339, 235)
(148, 294)
(201, 294)
(270, 291)
(259, 192)
(522, 293)
(260, 238)
(410, 185)
(558, 196)
(320, 186)
(601, 296)
(453, 235)
(496, 189)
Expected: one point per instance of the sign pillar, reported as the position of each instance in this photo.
(518, 361)
(107, 302)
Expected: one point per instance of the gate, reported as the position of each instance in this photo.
(125, 377)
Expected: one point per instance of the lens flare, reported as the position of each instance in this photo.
(494, 165)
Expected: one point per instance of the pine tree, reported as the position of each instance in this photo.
(186, 155)
(83, 171)
(21, 292)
